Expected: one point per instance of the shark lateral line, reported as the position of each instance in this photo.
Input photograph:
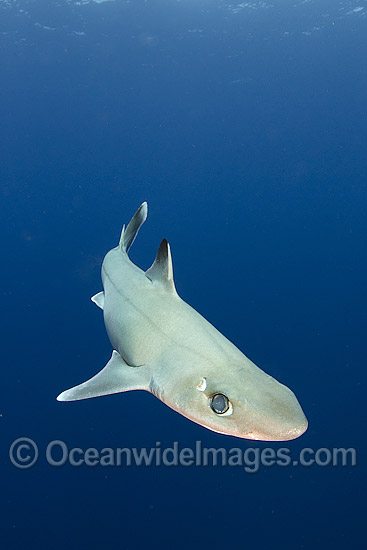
(162, 345)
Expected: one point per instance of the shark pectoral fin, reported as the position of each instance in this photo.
(115, 377)
(161, 271)
(98, 299)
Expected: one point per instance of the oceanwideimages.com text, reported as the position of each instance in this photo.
(25, 453)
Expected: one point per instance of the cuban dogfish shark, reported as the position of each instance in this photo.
(162, 345)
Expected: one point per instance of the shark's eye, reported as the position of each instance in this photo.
(219, 403)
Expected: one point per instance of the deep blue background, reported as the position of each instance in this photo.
(245, 130)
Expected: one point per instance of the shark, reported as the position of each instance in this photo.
(164, 346)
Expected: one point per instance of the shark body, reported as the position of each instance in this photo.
(162, 345)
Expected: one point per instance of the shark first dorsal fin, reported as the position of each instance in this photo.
(129, 233)
(161, 271)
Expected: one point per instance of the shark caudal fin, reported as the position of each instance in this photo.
(129, 233)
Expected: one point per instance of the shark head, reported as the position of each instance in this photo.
(243, 401)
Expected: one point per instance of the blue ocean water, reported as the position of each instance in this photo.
(244, 126)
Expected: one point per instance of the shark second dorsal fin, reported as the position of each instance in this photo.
(161, 272)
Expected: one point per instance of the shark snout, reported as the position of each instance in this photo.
(280, 433)
(280, 417)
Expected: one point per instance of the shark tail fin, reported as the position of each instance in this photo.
(129, 233)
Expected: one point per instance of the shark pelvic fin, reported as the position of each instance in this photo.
(161, 271)
(129, 233)
(117, 376)
(98, 299)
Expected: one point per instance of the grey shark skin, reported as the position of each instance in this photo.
(164, 346)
